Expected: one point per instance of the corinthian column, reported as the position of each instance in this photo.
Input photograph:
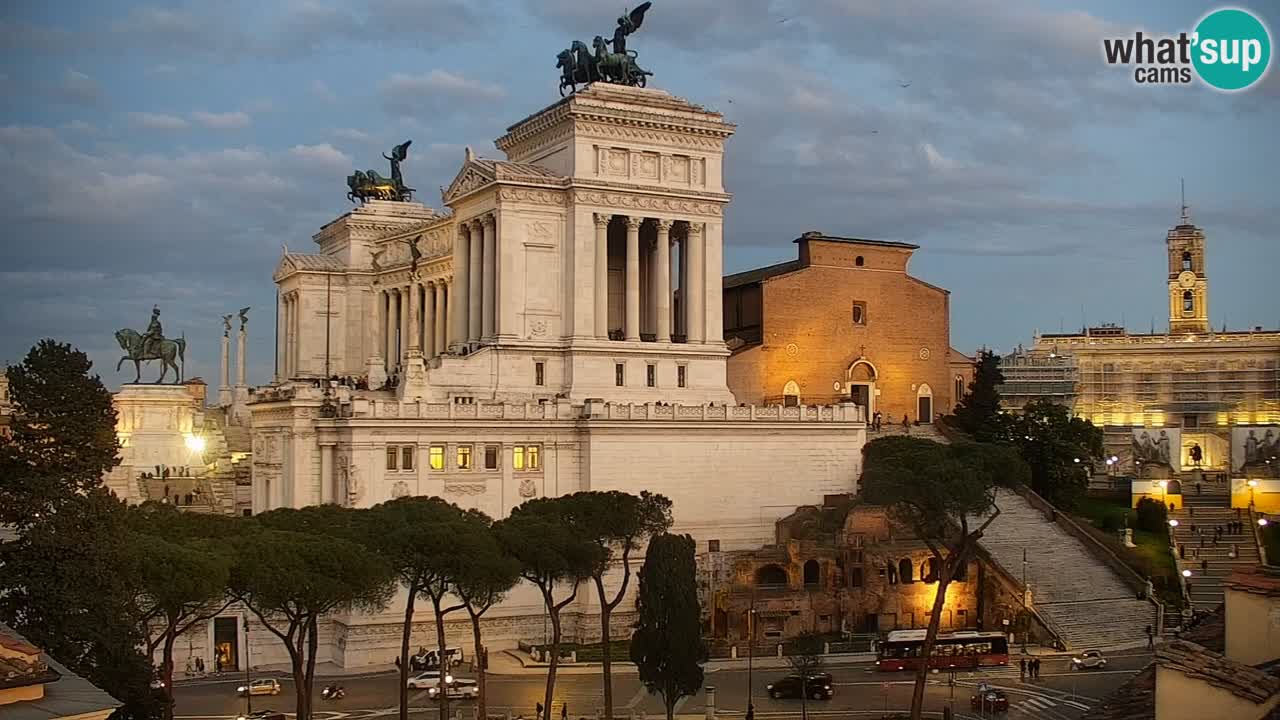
(662, 301)
(475, 288)
(697, 284)
(439, 317)
(461, 284)
(489, 298)
(224, 387)
(240, 338)
(429, 310)
(633, 278)
(389, 334)
(601, 278)
(414, 320)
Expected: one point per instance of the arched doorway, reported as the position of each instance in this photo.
(861, 377)
(924, 404)
(791, 394)
(811, 574)
(771, 576)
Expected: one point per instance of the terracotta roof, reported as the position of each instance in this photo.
(70, 696)
(747, 277)
(1260, 581)
(816, 235)
(1200, 663)
(22, 665)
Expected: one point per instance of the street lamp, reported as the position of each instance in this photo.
(248, 686)
(1173, 523)
(1252, 484)
(1262, 522)
(751, 653)
(1164, 495)
(1186, 573)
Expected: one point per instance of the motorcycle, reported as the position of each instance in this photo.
(333, 692)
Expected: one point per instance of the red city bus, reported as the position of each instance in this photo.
(962, 649)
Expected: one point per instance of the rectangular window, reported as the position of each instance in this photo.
(533, 457)
(1190, 421)
(436, 457)
(859, 313)
(619, 374)
(392, 456)
(406, 457)
(651, 375)
(517, 457)
(680, 375)
(855, 577)
(525, 457)
(539, 374)
(713, 546)
(464, 457)
(491, 457)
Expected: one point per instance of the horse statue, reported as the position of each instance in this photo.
(578, 67)
(369, 185)
(168, 352)
(618, 68)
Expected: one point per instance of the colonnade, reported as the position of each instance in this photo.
(413, 318)
(475, 269)
(652, 313)
(290, 317)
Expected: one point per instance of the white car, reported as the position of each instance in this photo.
(266, 686)
(457, 690)
(428, 679)
(1088, 659)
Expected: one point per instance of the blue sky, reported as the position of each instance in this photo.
(164, 152)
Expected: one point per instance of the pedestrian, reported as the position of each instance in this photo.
(217, 664)
(751, 711)
(906, 425)
(1151, 643)
(538, 710)
(1037, 668)
(1204, 565)
(1193, 529)
(1202, 540)
(1182, 551)
(1022, 669)
(564, 711)
(1198, 489)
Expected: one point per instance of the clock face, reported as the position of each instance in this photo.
(1187, 279)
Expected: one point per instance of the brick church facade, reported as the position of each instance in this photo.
(844, 321)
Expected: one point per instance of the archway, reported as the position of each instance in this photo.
(861, 377)
(791, 394)
(924, 404)
(771, 575)
(904, 570)
(811, 573)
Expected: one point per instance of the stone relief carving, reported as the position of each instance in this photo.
(540, 232)
(537, 328)
(647, 166)
(610, 132)
(400, 489)
(643, 202)
(465, 488)
(470, 180)
(528, 488)
(349, 476)
(533, 197)
(695, 172)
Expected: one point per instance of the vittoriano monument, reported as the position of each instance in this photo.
(152, 345)
(580, 65)
(369, 185)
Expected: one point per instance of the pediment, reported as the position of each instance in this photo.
(473, 176)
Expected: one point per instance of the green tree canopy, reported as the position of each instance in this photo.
(1060, 449)
(978, 413)
(290, 579)
(667, 645)
(488, 574)
(618, 523)
(946, 494)
(552, 551)
(63, 433)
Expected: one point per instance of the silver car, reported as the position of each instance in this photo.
(1087, 660)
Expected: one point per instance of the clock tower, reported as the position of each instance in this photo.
(1188, 285)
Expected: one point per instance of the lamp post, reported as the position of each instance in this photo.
(248, 687)
(1164, 494)
(751, 653)
(1024, 601)
(1252, 484)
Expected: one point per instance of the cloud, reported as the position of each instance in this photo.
(80, 126)
(222, 121)
(321, 90)
(77, 88)
(351, 134)
(158, 121)
(434, 91)
(323, 159)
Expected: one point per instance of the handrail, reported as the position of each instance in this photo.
(1257, 538)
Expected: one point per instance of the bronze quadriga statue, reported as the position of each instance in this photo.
(369, 185)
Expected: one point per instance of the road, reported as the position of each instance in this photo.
(1059, 694)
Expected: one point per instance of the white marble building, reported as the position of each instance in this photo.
(559, 330)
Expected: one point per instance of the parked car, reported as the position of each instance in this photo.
(427, 659)
(262, 715)
(264, 686)
(1088, 659)
(459, 689)
(817, 685)
(989, 700)
(425, 680)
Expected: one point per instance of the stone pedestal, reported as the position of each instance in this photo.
(376, 371)
(1128, 537)
(413, 381)
(157, 425)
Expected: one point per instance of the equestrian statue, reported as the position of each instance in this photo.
(369, 185)
(581, 66)
(152, 345)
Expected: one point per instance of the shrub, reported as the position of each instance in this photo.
(1152, 516)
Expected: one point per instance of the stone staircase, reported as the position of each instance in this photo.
(1203, 511)
(1081, 598)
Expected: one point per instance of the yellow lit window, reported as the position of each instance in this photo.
(464, 457)
(436, 457)
(532, 459)
(517, 457)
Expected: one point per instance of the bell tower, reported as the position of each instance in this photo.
(1188, 285)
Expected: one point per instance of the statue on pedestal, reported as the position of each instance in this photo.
(578, 66)
(369, 185)
(151, 345)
